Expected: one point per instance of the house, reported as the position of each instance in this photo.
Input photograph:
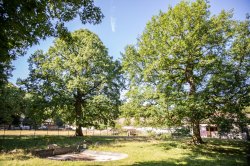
(209, 131)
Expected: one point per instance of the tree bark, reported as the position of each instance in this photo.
(195, 122)
(247, 134)
(196, 133)
(245, 129)
(79, 130)
(78, 111)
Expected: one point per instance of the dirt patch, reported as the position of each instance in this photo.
(89, 155)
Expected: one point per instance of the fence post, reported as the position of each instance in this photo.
(3, 131)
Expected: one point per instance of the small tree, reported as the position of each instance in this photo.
(11, 104)
(77, 78)
(36, 108)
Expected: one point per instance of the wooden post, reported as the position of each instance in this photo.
(3, 131)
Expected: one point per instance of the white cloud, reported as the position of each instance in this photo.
(113, 23)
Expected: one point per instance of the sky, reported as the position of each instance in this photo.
(124, 22)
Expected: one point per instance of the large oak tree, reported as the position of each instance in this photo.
(77, 78)
(196, 63)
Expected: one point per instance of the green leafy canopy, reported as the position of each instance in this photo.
(79, 78)
(197, 63)
(24, 23)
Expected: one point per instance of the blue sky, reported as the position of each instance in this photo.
(124, 21)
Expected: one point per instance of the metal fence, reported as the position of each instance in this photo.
(59, 132)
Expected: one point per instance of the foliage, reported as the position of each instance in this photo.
(183, 131)
(58, 121)
(165, 136)
(127, 122)
(15, 120)
(118, 127)
(28, 121)
(147, 108)
(36, 109)
(195, 65)
(5, 72)
(24, 23)
(77, 79)
(228, 122)
(224, 124)
(247, 110)
(11, 103)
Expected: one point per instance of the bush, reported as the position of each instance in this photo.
(165, 136)
(160, 136)
(152, 134)
(181, 132)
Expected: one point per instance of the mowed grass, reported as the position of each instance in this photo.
(15, 150)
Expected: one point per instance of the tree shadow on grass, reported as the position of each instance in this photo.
(213, 152)
(192, 162)
(28, 143)
(201, 158)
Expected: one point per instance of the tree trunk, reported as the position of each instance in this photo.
(78, 111)
(247, 135)
(79, 130)
(196, 133)
(195, 122)
(245, 129)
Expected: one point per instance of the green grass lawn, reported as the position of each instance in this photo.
(15, 150)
